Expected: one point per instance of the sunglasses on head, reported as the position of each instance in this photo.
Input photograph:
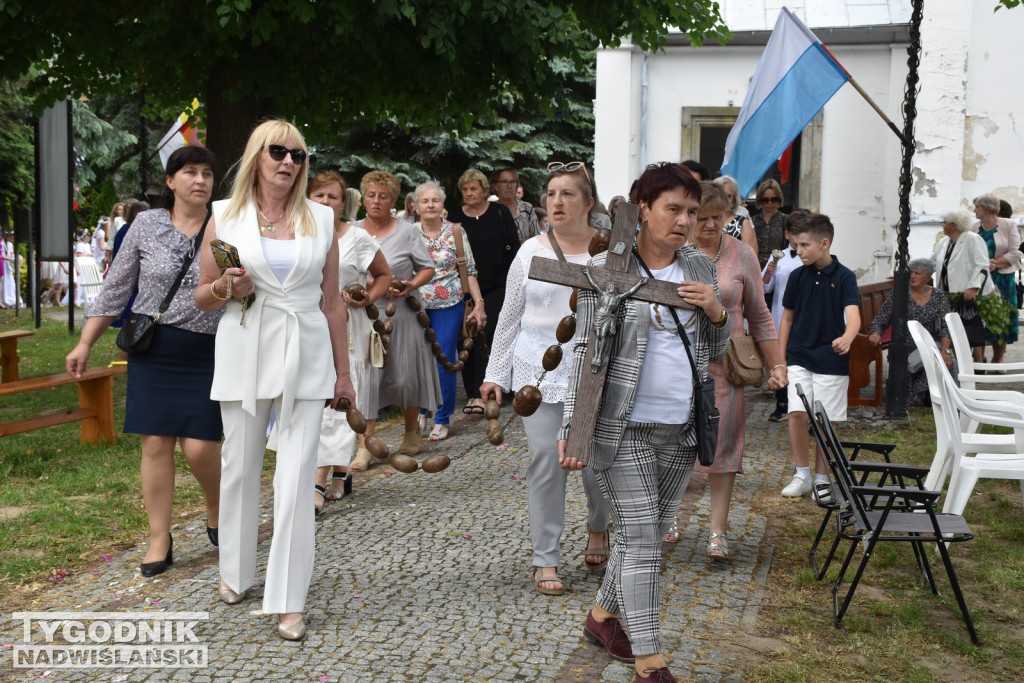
(556, 166)
(278, 152)
(771, 200)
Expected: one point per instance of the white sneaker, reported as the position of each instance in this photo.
(823, 492)
(800, 486)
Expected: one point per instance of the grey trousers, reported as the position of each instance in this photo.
(545, 481)
(644, 485)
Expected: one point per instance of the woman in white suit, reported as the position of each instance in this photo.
(287, 350)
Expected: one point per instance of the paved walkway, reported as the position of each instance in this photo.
(425, 578)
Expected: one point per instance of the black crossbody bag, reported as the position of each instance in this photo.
(705, 411)
(137, 333)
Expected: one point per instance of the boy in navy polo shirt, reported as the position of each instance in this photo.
(820, 320)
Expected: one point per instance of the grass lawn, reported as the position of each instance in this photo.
(61, 503)
(895, 629)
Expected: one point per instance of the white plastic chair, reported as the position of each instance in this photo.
(90, 278)
(967, 470)
(971, 440)
(969, 369)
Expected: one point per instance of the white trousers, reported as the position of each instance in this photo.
(290, 565)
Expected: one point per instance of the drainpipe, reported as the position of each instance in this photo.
(643, 114)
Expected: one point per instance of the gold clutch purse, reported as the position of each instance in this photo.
(226, 256)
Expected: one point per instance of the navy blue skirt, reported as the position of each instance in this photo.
(169, 387)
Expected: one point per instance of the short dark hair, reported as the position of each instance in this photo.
(1005, 210)
(698, 168)
(817, 225)
(796, 216)
(660, 178)
(179, 159)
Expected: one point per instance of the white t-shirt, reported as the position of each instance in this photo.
(780, 278)
(665, 389)
(280, 255)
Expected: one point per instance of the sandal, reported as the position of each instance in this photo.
(673, 532)
(334, 493)
(603, 552)
(718, 551)
(361, 461)
(474, 406)
(439, 433)
(318, 503)
(411, 443)
(539, 578)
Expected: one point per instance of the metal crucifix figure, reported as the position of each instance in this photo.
(605, 316)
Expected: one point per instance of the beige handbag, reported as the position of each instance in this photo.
(743, 364)
(378, 356)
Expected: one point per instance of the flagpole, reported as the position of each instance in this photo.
(892, 126)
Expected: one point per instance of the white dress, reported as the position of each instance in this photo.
(356, 249)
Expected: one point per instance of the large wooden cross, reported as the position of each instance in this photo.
(591, 383)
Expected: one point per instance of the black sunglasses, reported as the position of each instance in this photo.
(764, 200)
(278, 152)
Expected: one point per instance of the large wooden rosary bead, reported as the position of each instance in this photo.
(396, 283)
(389, 309)
(435, 349)
(572, 299)
(356, 421)
(463, 356)
(566, 329)
(423, 319)
(385, 341)
(371, 312)
(552, 357)
(404, 463)
(467, 345)
(436, 463)
(377, 448)
(491, 409)
(471, 327)
(526, 400)
(355, 291)
(600, 241)
(494, 432)
(389, 327)
(430, 335)
(413, 303)
(378, 326)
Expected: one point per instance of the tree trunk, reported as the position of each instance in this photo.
(229, 123)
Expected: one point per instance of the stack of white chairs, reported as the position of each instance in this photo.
(961, 449)
(90, 277)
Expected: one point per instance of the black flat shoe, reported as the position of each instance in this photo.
(212, 533)
(150, 569)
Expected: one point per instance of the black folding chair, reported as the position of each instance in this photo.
(888, 513)
(834, 505)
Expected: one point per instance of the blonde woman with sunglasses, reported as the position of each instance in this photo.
(770, 224)
(288, 349)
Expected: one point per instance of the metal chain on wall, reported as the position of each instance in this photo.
(897, 388)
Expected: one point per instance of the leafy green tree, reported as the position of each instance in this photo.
(17, 152)
(518, 136)
(327, 64)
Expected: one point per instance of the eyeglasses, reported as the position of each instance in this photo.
(771, 200)
(507, 182)
(278, 152)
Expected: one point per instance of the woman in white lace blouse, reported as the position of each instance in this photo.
(526, 328)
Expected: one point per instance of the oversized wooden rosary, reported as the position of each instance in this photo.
(528, 399)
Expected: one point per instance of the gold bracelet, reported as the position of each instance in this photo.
(776, 367)
(215, 294)
(479, 301)
(723, 319)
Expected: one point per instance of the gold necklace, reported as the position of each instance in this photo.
(270, 224)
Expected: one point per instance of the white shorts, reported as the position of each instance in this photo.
(829, 389)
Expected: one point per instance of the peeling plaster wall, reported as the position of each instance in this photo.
(968, 138)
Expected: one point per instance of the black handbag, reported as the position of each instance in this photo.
(705, 410)
(974, 326)
(137, 333)
(1020, 292)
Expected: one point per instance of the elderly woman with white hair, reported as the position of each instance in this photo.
(1002, 240)
(443, 297)
(928, 305)
(961, 261)
(737, 222)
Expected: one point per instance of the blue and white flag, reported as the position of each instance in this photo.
(796, 76)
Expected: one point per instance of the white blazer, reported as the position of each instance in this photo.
(284, 347)
(966, 264)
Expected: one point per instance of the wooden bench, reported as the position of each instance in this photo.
(9, 354)
(95, 404)
(862, 353)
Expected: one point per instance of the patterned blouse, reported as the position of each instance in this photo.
(150, 258)
(526, 220)
(770, 235)
(734, 227)
(445, 290)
